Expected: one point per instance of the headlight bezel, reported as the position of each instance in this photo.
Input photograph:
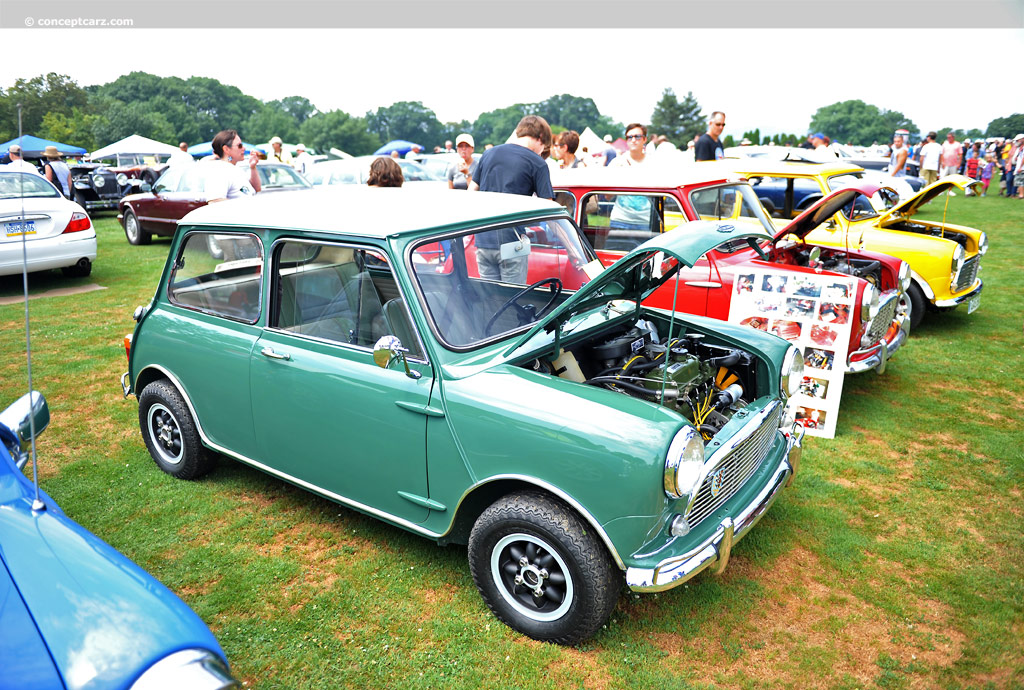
(187, 668)
(904, 277)
(959, 256)
(97, 180)
(122, 179)
(792, 372)
(684, 463)
(869, 303)
(983, 244)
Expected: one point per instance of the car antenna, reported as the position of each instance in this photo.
(37, 503)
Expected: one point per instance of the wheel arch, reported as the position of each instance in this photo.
(485, 492)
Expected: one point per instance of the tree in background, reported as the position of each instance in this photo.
(340, 130)
(128, 119)
(1006, 127)
(679, 121)
(859, 123)
(76, 129)
(408, 120)
(569, 112)
(53, 93)
(495, 126)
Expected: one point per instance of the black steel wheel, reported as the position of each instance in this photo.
(133, 230)
(541, 571)
(170, 432)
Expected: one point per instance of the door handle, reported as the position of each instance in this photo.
(269, 352)
(702, 284)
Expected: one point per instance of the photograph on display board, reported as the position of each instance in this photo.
(745, 283)
(823, 335)
(836, 291)
(800, 308)
(758, 322)
(773, 282)
(814, 387)
(806, 287)
(790, 330)
(811, 417)
(817, 358)
(768, 305)
(830, 312)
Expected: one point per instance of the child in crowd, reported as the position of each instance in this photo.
(973, 163)
(986, 172)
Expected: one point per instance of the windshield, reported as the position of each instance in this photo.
(861, 207)
(486, 284)
(16, 185)
(737, 202)
(277, 176)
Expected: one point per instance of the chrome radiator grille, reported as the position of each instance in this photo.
(736, 468)
(968, 273)
(886, 313)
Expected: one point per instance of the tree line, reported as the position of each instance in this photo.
(193, 110)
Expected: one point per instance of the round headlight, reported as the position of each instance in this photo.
(983, 244)
(188, 668)
(904, 277)
(869, 303)
(684, 463)
(122, 179)
(958, 261)
(792, 372)
(97, 180)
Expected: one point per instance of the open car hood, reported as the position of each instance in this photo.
(628, 279)
(825, 208)
(909, 207)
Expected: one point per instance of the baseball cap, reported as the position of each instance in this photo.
(608, 138)
(276, 140)
(300, 147)
(14, 148)
(467, 138)
(817, 135)
(1018, 137)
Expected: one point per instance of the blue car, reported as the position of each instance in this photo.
(76, 614)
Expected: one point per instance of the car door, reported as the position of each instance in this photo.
(175, 204)
(326, 414)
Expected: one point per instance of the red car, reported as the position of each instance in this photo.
(618, 209)
(179, 190)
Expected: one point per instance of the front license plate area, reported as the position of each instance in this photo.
(973, 303)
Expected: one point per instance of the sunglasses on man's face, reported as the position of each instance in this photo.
(635, 136)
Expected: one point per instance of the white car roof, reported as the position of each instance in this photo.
(653, 175)
(359, 210)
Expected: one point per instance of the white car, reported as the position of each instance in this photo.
(57, 232)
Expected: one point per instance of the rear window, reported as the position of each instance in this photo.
(220, 275)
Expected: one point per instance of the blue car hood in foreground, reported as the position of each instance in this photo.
(102, 619)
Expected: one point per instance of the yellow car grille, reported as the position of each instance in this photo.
(968, 273)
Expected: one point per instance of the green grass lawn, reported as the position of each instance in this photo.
(894, 561)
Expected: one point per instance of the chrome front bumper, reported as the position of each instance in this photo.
(676, 570)
(967, 296)
(885, 351)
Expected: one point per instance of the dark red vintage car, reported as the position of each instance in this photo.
(617, 209)
(179, 190)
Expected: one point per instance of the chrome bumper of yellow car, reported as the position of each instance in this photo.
(960, 299)
(715, 551)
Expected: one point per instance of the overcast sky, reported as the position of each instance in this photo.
(773, 79)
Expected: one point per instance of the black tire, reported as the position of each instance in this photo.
(918, 303)
(170, 432)
(133, 230)
(540, 541)
(80, 270)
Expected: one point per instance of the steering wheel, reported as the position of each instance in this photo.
(527, 313)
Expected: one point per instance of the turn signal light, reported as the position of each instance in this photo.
(79, 222)
(128, 346)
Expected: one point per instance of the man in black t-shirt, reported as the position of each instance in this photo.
(514, 168)
(709, 146)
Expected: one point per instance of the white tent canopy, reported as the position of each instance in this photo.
(134, 144)
(593, 143)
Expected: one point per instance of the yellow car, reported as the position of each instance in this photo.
(945, 259)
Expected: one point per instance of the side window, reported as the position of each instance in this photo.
(568, 201)
(622, 222)
(168, 182)
(340, 294)
(192, 181)
(219, 274)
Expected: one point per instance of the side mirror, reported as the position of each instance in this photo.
(815, 254)
(27, 412)
(145, 187)
(388, 349)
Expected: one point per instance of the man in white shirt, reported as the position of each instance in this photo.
(18, 164)
(931, 153)
(302, 161)
(181, 156)
(222, 178)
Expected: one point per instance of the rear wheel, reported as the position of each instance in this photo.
(133, 231)
(541, 571)
(170, 432)
(918, 303)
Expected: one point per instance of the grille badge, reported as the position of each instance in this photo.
(716, 483)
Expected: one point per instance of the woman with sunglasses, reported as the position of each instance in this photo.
(222, 178)
(636, 139)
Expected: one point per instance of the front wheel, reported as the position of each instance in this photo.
(918, 303)
(133, 230)
(541, 571)
(170, 432)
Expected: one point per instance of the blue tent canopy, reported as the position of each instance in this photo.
(401, 145)
(206, 149)
(33, 147)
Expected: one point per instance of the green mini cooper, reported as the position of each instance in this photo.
(460, 366)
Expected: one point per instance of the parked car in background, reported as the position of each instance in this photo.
(618, 208)
(75, 613)
(181, 189)
(570, 436)
(357, 171)
(95, 187)
(57, 232)
(137, 166)
(945, 259)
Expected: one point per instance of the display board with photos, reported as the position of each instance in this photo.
(814, 312)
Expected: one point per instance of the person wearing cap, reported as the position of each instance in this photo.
(609, 152)
(278, 154)
(18, 164)
(414, 151)
(302, 161)
(57, 171)
(709, 145)
(448, 145)
(462, 171)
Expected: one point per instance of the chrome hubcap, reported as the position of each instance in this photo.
(166, 434)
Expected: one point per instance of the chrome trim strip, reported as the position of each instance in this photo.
(961, 299)
(676, 570)
(922, 284)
